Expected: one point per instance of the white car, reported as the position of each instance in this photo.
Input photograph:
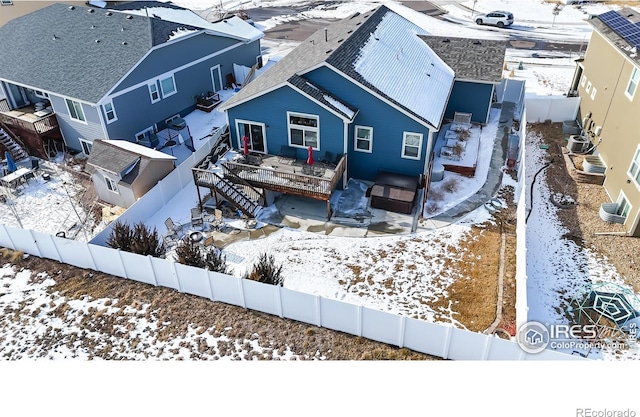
(497, 18)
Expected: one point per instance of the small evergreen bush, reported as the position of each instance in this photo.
(266, 271)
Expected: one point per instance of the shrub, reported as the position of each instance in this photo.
(140, 239)
(451, 185)
(189, 253)
(215, 261)
(266, 271)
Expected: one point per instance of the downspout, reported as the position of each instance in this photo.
(345, 149)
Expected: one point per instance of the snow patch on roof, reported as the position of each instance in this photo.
(233, 27)
(398, 63)
(138, 149)
(339, 105)
(180, 33)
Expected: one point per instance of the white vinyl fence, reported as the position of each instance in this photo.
(153, 201)
(522, 309)
(430, 338)
(554, 108)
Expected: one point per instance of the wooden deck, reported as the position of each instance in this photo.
(276, 173)
(25, 118)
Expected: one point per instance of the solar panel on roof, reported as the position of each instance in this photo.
(623, 27)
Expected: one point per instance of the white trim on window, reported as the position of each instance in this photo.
(303, 130)
(112, 185)
(583, 80)
(409, 144)
(168, 88)
(86, 146)
(588, 89)
(6, 2)
(76, 112)
(624, 207)
(154, 93)
(632, 85)
(634, 169)
(175, 116)
(363, 139)
(141, 135)
(109, 112)
(593, 93)
(41, 94)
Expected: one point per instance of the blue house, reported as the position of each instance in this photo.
(367, 87)
(77, 73)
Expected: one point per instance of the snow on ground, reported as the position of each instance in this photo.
(135, 336)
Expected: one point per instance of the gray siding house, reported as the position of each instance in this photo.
(122, 171)
(117, 73)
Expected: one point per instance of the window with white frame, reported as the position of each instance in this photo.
(154, 93)
(6, 2)
(86, 146)
(168, 86)
(583, 80)
(411, 145)
(304, 130)
(634, 169)
(111, 184)
(624, 207)
(110, 112)
(363, 141)
(588, 89)
(593, 93)
(633, 83)
(41, 94)
(75, 110)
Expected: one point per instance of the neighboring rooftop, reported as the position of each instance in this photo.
(621, 28)
(470, 59)
(116, 156)
(232, 26)
(378, 49)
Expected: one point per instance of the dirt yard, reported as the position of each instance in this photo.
(582, 219)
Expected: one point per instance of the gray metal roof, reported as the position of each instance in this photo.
(622, 44)
(74, 52)
(347, 46)
(470, 59)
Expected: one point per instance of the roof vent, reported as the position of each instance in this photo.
(72, 7)
(93, 26)
(329, 51)
(125, 43)
(90, 11)
(54, 37)
(97, 40)
(340, 40)
(477, 42)
(122, 28)
(129, 17)
(446, 40)
(349, 31)
(108, 14)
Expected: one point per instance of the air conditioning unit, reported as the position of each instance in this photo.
(598, 130)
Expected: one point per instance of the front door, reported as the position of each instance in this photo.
(254, 132)
(216, 78)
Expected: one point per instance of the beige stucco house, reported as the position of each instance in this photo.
(608, 82)
(124, 171)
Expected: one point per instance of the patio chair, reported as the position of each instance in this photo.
(327, 158)
(196, 218)
(215, 220)
(209, 241)
(170, 240)
(173, 229)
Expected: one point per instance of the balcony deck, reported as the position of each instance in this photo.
(275, 173)
(27, 119)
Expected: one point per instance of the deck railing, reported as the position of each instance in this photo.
(294, 183)
(40, 126)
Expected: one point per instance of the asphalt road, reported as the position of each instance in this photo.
(302, 29)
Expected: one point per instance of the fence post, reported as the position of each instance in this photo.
(55, 245)
(174, 272)
(243, 303)
(403, 321)
(359, 331)
(210, 285)
(93, 261)
(487, 346)
(447, 343)
(318, 312)
(279, 301)
(36, 242)
(124, 268)
(153, 270)
(13, 245)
